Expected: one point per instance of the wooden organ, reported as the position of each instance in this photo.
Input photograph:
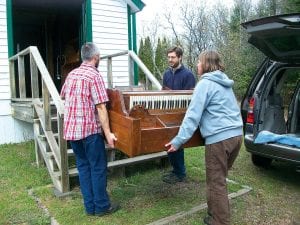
(144, 121)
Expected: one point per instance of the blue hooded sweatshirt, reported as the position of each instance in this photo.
(213, 109)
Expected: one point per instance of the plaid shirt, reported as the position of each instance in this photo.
(83, 90)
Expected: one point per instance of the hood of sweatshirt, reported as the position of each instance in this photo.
(218, 77)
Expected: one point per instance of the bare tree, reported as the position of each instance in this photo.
(190, 29)
(220, 25)
(270, 7)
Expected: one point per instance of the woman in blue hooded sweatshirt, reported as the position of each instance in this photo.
(215, 111)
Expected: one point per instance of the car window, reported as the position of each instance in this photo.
(277, 93)
(289, 85)
(293, 124)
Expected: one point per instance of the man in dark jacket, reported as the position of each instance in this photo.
(177, 77)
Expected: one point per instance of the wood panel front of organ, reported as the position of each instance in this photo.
(144, 121)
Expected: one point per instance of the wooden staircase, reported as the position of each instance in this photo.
(44, 109)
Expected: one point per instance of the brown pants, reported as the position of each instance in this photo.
(219, 158)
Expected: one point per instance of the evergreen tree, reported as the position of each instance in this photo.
(149, 59)
(165, 45)
(291, 6)
(268, 8)
(161, 59)
(240, 58)
(141, 56)
(235, 20)
(146, 55)
(158, 60)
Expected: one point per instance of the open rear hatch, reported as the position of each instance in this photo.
(278, 37)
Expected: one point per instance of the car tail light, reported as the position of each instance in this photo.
(250, 113)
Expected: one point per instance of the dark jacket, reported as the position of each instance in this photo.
(182, 79)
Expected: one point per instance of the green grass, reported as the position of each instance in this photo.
(142, 194)
(275, 198)
(17, 176)
(144, 198)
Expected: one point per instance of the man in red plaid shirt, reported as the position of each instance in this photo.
(86, 123)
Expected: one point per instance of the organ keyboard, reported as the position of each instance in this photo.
(161, 101)
(144, 121)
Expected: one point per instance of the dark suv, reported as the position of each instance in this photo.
(271, 105)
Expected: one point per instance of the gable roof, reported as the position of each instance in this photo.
(135, 5)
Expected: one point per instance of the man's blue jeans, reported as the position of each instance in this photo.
(91, 163)
(177, 161)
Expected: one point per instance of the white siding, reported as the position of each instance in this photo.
(4, 76)
(11, 130)
(5, 110)
(110, 33)
(14, 131)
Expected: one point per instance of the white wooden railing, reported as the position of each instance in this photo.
(132, 58)
(50, 147)
(53, 151)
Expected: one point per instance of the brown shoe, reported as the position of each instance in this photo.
(113, 208)
(172, 178)
(207, 220)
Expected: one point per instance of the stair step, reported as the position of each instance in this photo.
(122, 162)
(69, 153)
(43, 137)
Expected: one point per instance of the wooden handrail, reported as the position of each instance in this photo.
(26, 51)
(137, 60)
(48, 80)
(114, 55)
(147, 72)
(44, 74)
(55, 145)
(42, 110)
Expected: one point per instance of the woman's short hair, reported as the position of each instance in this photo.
(211, 61)
(88, 51)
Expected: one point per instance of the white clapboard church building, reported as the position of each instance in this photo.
(40, 44)
(57, 28)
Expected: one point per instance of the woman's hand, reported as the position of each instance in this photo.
(170, 147)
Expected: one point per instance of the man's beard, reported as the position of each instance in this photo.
(97, 64)
(175, 65)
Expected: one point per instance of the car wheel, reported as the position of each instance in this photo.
(261, 161)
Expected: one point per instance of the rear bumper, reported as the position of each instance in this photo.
(273, 151)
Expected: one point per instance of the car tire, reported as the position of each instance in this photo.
(261, 161)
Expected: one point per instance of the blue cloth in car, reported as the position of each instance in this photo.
(287, 139)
